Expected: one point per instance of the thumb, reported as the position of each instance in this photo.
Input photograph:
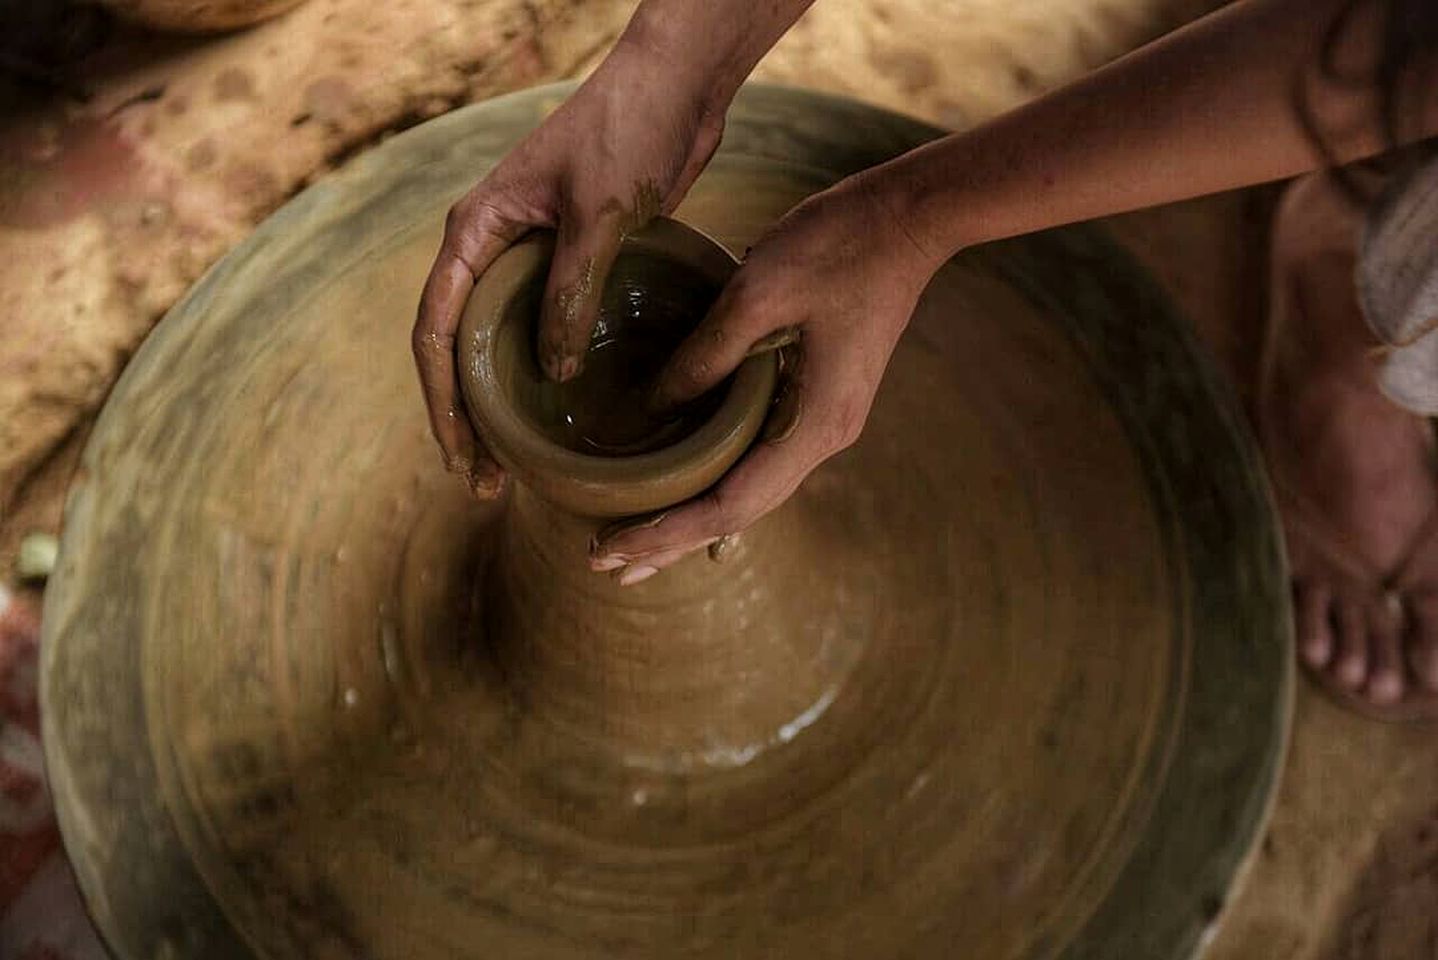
(732, 329)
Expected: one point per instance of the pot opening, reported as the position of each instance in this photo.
(650, 303)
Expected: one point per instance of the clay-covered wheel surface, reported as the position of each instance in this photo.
(1048, 575)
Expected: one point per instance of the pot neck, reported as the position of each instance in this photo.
(688, 669)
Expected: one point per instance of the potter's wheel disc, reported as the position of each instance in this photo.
(1051, 561)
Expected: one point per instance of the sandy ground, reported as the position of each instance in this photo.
(111, 208)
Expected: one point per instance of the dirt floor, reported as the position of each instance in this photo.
(126, 172)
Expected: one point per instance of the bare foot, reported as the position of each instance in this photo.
(1355, 473)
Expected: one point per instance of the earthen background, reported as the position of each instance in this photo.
(149, 158)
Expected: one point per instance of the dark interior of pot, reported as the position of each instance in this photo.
(650, 303)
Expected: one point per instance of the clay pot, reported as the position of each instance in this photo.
(561, 635)
(669, 271)
(199, 16)
(1010, 678)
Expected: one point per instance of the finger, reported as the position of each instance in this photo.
(787, 408)
(474, 236)
(433, 343)
(718, 345)
(583, 256)
(761, 481)
(603, 560)
(650, 565)
(628, 573)
(758, 484)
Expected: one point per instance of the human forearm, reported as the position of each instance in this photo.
(1209, 108)
(708, 45)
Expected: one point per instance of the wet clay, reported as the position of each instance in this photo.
(1009, 679)
(608, 408)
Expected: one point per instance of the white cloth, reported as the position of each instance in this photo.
(1397, 278)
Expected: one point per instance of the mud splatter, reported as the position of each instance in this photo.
(329, 100)
(201, 155)
(234, 84)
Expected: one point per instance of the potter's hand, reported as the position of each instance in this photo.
(624, 148)
(842, 271)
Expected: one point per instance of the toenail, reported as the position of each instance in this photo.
(1386, 688)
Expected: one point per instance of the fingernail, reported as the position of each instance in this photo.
(606, 564)
(568, 368)
(559, 367)
(634, 575)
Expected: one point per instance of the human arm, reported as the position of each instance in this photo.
(1208, 108)
(1238, 98)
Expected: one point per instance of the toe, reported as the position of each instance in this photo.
(1350, 666)
(1422, 640)
(1313, 610)
(1386, 680)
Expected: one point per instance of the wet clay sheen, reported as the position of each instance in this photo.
(1008, 679)
(647, 308)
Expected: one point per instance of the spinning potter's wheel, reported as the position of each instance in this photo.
(1024, 674)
